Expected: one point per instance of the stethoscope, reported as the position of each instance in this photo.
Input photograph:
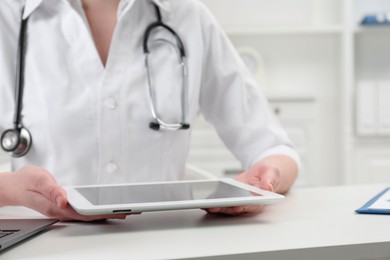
(17, 141)
(157, 122)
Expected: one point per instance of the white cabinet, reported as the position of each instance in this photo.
(371, 163)
(368, 155)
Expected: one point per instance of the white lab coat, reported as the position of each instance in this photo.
(90, 123)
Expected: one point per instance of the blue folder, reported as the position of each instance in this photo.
(366, 210)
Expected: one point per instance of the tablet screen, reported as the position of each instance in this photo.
(161, 192)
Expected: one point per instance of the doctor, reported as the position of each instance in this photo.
(107, 92)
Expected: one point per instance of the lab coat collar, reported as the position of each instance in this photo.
(125, 5)
(163, 4)
(30, 6)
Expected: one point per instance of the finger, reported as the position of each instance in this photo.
(269, 181)
(214, 210)
(230, 210)
(69, 214)
(243, 177)
(266, 186)
(48, 187)
(42, 182)
(42, 204)
(235, 211)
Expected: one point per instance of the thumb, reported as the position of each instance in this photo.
(49, 188)
(269, 181)
(266, 186)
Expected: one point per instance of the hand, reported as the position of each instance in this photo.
(262, 175)
(37, 189)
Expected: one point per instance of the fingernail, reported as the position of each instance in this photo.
(58, 201)
(268, 187)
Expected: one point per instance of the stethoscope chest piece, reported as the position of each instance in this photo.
(17, 142)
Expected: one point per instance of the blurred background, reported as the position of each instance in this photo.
(325, 67)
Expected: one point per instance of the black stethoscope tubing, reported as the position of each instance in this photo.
(19, 78)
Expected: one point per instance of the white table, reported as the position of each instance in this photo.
(315, 223)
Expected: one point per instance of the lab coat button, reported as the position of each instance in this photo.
(111, 167)
(110, 103)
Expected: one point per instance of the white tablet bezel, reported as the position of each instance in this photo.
(84, 207)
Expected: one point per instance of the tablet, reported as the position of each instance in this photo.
(158, 196)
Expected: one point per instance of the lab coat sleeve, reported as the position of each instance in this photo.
(232, 101)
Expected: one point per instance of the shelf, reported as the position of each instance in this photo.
(372, 29)
(290, 97)
(248, 30)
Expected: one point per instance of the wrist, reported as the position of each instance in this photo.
(6, 189)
